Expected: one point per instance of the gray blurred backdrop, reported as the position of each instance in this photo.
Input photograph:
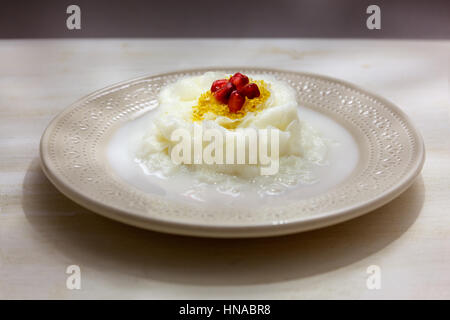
(226, 18)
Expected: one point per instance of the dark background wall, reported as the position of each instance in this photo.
(226, 18)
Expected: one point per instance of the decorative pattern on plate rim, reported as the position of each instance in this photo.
(388, 145)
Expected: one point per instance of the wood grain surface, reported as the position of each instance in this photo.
(42, 232)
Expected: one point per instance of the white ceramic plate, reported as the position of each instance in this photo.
(74, 146)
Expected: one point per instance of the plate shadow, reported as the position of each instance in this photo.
(93, 241)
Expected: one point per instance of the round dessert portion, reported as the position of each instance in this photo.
(220, 101)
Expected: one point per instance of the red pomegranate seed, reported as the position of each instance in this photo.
(236, 101)
(239, 80)
(250, 90)
(218, 84)
(223, 93)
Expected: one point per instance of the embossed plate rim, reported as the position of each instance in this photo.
(253, 229)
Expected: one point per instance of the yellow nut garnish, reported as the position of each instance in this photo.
(207, 103)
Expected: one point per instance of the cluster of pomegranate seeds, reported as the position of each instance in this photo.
(234, 91)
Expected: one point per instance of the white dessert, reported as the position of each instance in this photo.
(315, 152)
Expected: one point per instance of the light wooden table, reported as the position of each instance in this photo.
(42, 232)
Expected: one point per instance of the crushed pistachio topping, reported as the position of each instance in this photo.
(208, 103)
